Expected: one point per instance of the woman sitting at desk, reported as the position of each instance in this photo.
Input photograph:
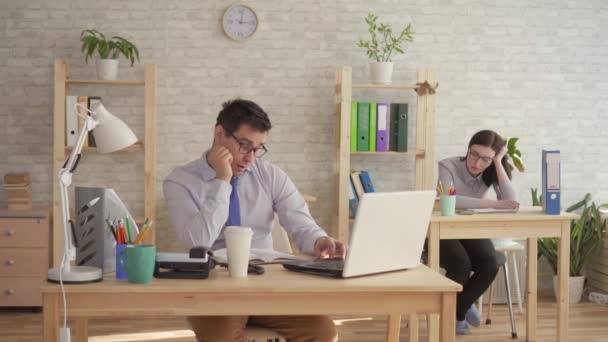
(484, 165)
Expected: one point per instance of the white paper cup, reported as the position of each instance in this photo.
(238, 244)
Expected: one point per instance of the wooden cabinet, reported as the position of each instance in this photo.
(24, 256)
(423, 151)
(147, 145)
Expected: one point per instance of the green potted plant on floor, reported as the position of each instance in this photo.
(382, 46)
(586, 234)
(108, 51)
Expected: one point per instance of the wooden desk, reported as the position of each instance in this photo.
(278, 291)
(529, 223)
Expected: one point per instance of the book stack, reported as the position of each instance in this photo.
(17, 186)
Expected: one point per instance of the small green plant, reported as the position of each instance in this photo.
(537, 199)
(585, 237)
(383, 42)
(93, 40)
(514, 153)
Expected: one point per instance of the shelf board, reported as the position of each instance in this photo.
(392, 153)
(107, 82)
(137, 147)
(390, 86)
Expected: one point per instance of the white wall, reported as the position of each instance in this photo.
(533, 69)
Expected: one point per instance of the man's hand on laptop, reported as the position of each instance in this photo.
(327, 247)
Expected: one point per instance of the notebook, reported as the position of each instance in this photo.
(485, 211)
(258, 256)
(388, 235)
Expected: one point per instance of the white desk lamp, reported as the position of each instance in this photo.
(111, 134)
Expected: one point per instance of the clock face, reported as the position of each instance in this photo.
(240, 22)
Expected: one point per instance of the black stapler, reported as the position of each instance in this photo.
(193, 265)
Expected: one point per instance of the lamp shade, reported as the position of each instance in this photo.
(111, 134)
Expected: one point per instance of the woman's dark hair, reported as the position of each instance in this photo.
(236, 112)
(494, 141)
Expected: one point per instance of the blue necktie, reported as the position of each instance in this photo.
(234, 210)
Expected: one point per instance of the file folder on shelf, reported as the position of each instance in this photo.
(353, 201)
(402, 127)
(353, 127)
(372, 126)
(382, 127)
(366, 180)
(363, 126)
(551, 182)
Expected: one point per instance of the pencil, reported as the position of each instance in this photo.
(141, 235)
(128, 230)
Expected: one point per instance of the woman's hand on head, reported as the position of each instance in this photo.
(506, 204)
(498, 157)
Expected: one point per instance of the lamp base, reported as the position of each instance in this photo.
(76, 275)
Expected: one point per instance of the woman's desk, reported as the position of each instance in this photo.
(528, 223)
(277, 292)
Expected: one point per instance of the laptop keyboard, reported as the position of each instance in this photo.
(329, 264)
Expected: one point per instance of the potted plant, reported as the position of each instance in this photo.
(585, 241)
(382, 46)
(108, 50)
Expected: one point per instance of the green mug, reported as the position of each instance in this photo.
(139, 263)
(448, 205)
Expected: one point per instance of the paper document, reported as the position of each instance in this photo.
(485, 211)
(259, 256)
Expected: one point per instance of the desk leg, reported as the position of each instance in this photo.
(433, 262)
(393, 328)
(532, 286)
(448, 323)
(50, 317)
(563, 275)
(413, 327)
(82, 330)
(433, 246)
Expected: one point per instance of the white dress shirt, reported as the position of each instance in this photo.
(198, 205)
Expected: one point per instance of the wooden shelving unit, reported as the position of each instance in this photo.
(60, 151)
(423, 151)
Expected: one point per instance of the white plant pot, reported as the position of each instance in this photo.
(576, 285)
(107, 69)
(381, 72)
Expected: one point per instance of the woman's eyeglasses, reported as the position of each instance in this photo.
(246, 148)
(476, 156)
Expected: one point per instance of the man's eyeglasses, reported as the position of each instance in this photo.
(246, 148)
(476, 156)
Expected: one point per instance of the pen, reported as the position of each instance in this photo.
(112, 229)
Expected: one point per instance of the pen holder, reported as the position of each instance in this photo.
(448, 205)
(121, 273)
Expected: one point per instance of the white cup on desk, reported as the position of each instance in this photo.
(238, 245)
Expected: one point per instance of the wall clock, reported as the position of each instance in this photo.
(240, 22)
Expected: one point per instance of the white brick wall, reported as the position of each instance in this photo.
(533, 69)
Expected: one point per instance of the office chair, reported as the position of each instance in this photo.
(502, 260)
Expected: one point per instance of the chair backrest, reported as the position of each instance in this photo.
(280, 239)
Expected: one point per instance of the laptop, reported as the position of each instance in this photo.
(388, 235)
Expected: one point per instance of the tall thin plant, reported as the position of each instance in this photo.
(585, 237)
(383, 44)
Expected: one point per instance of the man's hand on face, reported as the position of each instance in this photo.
(327, 247)
(220, 159)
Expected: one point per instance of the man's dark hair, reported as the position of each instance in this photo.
(236, 112)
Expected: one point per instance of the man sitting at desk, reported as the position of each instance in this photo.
(231, 185)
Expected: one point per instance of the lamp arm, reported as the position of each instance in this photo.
(65, 180)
